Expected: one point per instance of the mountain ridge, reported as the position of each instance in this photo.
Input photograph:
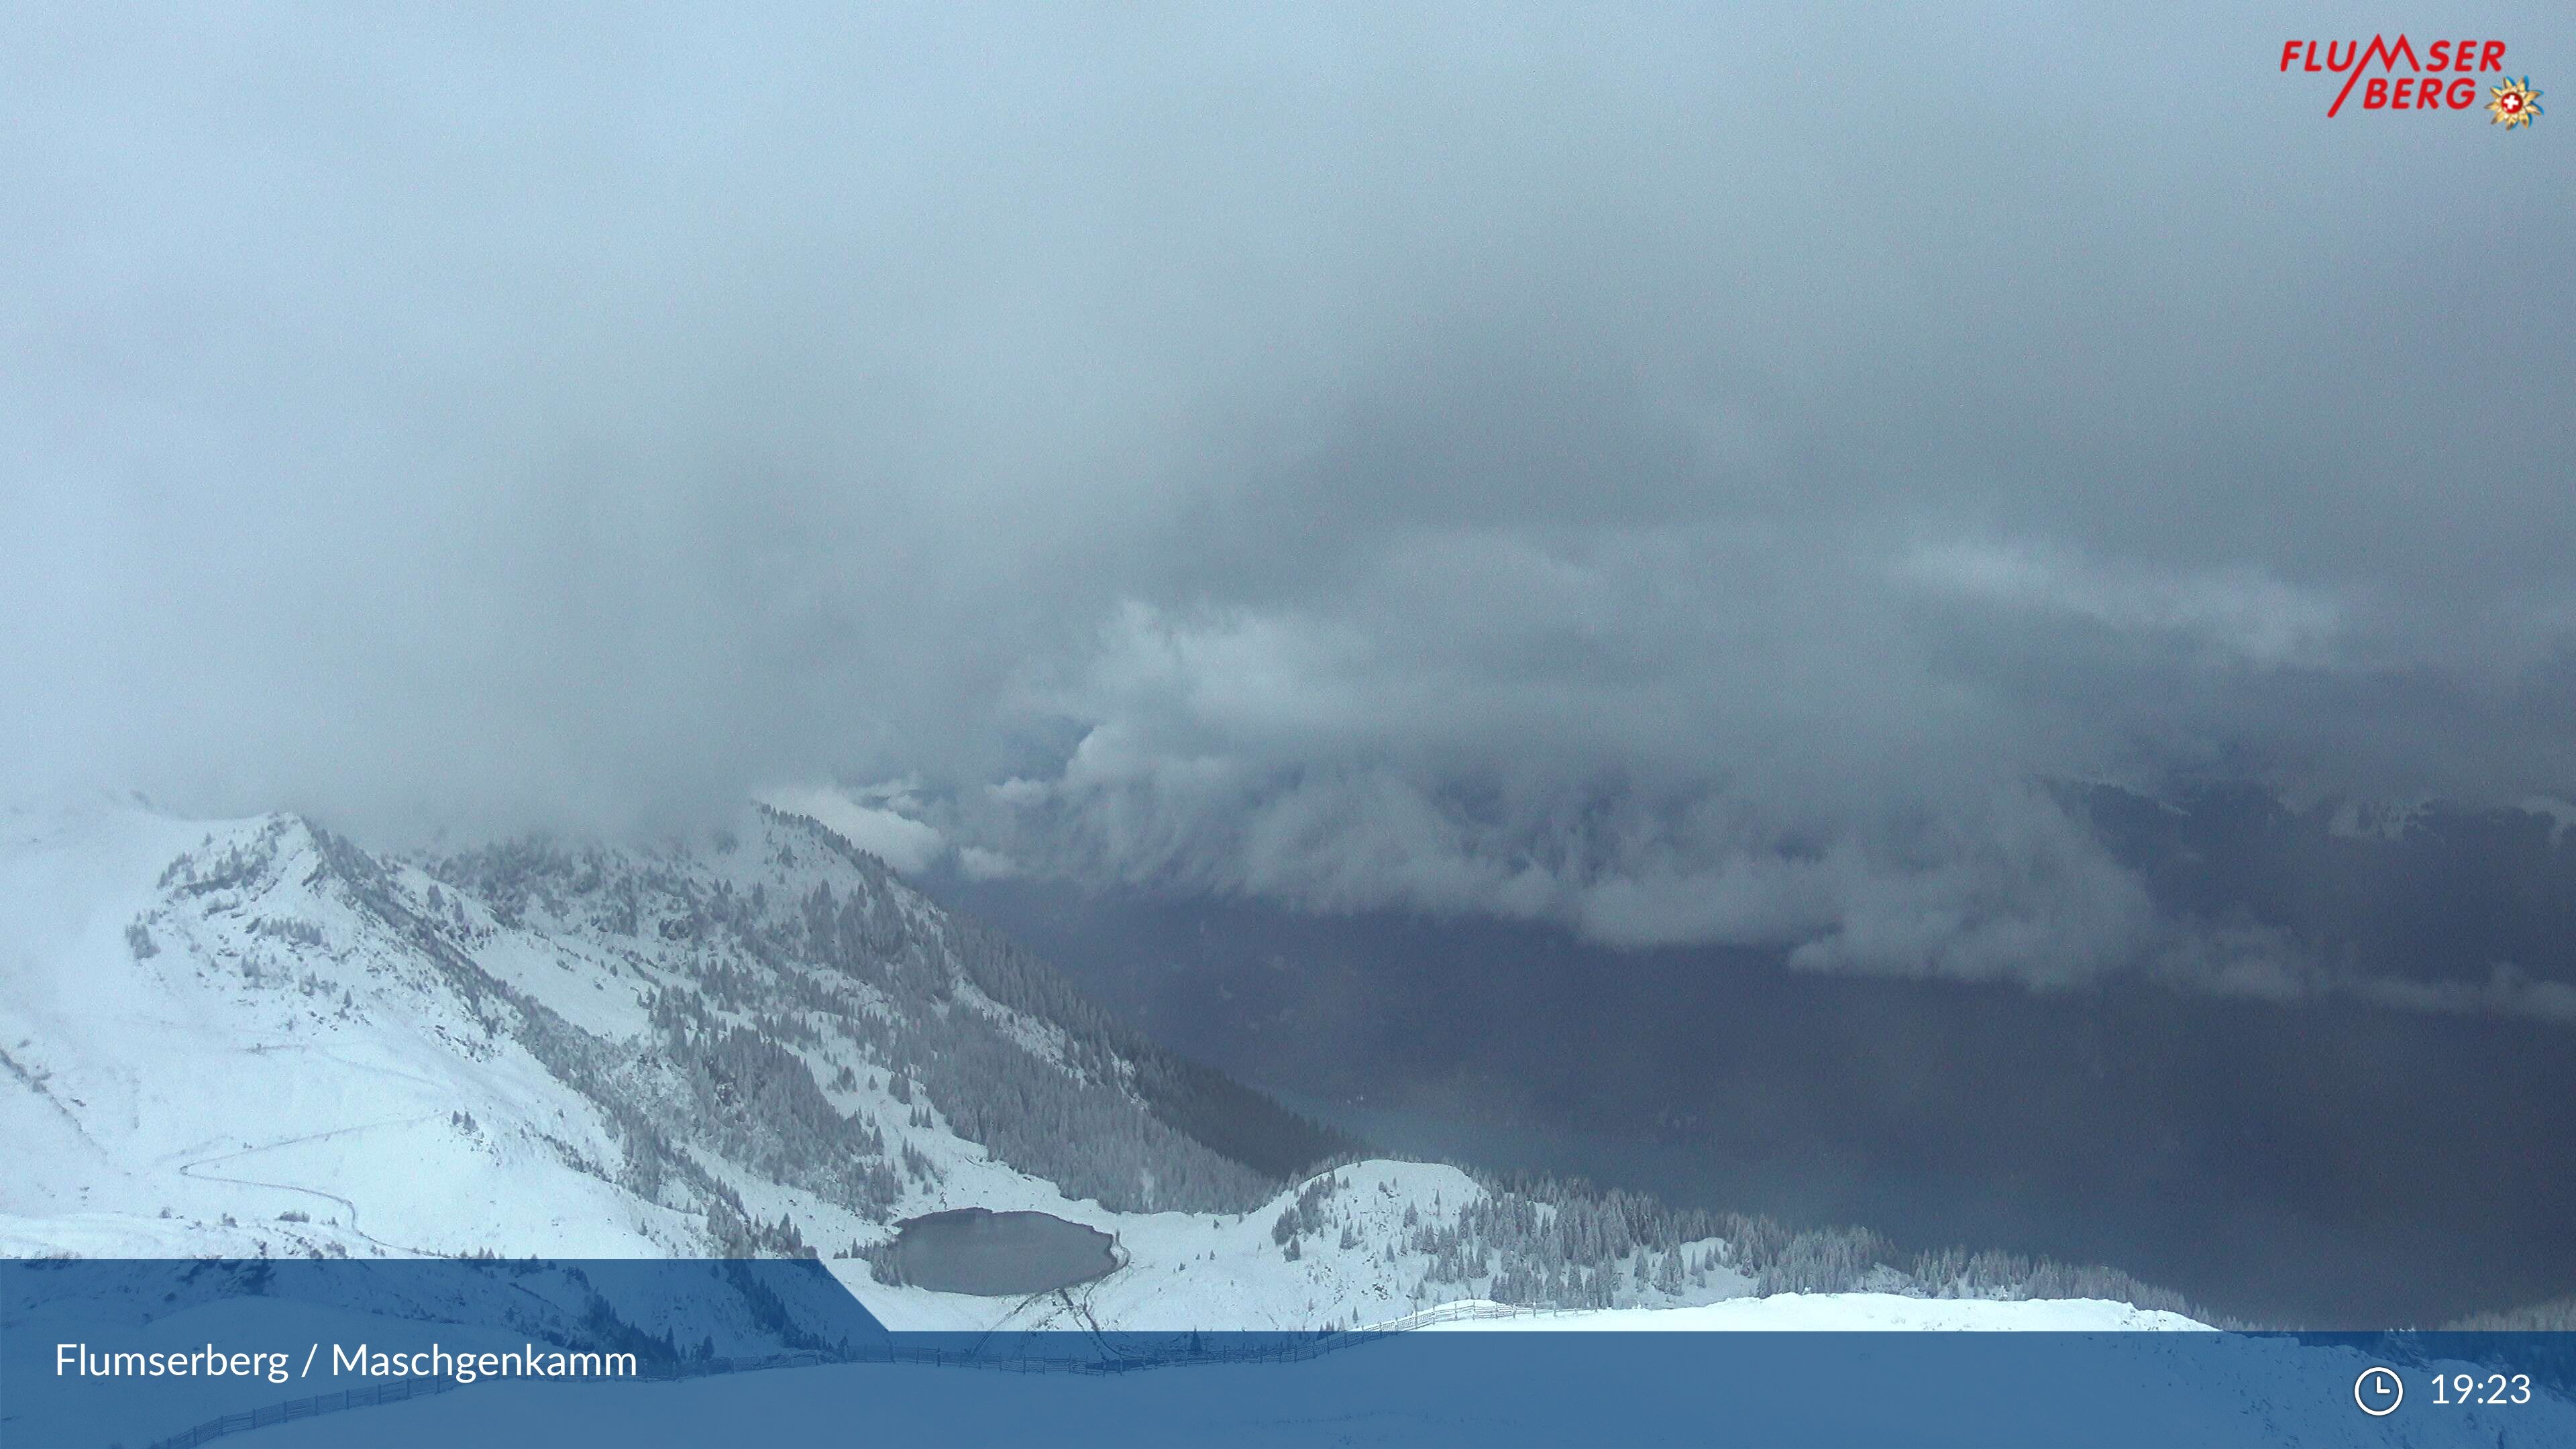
(255, 1038)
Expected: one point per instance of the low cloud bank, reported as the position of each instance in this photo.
(1459, 459)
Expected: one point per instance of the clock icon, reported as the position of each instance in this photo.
(2378, 1391)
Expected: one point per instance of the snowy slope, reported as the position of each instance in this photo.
(1225, 1271)
(249, 1038)
(252, 1038)
(209, 1051)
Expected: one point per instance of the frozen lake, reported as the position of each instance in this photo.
(1000, 1255)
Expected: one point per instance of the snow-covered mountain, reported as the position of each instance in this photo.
(253, 1038)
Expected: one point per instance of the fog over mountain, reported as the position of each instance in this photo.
(1692, 479)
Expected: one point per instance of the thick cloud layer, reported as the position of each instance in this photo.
(1687, 476)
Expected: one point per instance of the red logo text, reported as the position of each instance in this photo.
(2440, 79)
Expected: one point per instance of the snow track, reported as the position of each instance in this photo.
(194, 1170)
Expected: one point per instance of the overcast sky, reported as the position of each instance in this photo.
(1683, 473)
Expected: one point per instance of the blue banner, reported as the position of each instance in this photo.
(654, 1353)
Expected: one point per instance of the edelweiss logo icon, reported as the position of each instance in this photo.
(2515, 104)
